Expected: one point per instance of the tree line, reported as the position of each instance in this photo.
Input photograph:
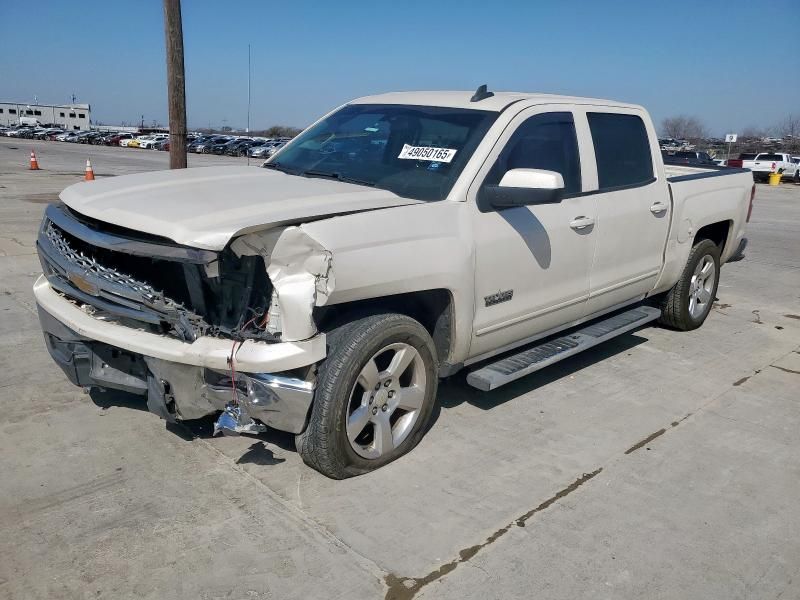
(691, 128)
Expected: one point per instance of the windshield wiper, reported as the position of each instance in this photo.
(337, 176)
(279, 167)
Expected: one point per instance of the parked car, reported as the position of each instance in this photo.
(137, 141)
(162, 144)
(198, 141)
(149, 143)
(124, 142)
(273, 148)
(203, 146)
(44, 133)
(210, 147)
(102, 138)
(267, 149)
(460, 231)
(219, 146)
(773, 162)
(240, 147)
(89, 137)
(259, 150)
(18, 132)
(683, 157)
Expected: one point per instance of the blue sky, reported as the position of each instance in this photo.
(714, 59)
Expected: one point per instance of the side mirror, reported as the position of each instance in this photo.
(524, 187)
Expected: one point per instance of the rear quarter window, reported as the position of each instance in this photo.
(622, 150)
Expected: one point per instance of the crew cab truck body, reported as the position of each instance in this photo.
(773, 162)
(400, 239)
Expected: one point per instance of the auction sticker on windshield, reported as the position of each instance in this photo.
(427, 153)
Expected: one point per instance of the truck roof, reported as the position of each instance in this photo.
(498, 102)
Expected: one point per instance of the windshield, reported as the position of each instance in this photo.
(413, 151)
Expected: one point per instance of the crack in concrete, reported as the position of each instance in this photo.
(646, 440)
(405, 588)
(656, 434)
(784, 369)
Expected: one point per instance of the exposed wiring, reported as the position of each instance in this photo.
(232, 362)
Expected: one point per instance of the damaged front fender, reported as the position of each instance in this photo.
(301, 272)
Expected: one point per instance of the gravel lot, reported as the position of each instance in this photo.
(660, 465)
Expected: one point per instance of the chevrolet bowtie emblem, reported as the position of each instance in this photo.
(83, 284)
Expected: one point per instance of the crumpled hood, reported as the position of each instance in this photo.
(207, 206)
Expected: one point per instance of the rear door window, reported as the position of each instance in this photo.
(622, 150)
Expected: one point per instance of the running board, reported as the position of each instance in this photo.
(537, 357)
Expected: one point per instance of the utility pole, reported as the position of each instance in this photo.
(176, 88)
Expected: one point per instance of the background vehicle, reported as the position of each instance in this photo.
(149, 142)
(260, 150)
(745, 161)
(771, 162)
(400, 239)
(216, 146)
(125, 141)
(685, 157)
(137, 141)
(239, 148)
(221, 146)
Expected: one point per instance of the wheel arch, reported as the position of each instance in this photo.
(718, 232)
(434, 309)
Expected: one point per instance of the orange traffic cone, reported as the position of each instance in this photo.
(34, 162)
(89, 172)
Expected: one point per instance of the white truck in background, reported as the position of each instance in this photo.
(398, 240)
(772, 162)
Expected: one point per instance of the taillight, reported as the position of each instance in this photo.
(750, 208)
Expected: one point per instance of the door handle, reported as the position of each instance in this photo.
(581, 222)
(658, 208)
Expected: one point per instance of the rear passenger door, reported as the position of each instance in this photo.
(633, 209)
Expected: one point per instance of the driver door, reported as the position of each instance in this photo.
(532, 262)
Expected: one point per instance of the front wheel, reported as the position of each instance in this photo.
(375, 394)
(688, 303)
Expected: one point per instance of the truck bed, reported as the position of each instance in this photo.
(674, 171)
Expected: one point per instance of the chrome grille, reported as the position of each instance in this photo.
(82, 277)
(90, 265)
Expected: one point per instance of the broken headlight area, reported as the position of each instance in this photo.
(127, 276)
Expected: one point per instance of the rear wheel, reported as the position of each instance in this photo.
(374, 398)
(688, 303)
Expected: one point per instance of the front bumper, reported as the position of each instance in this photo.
(181, 380)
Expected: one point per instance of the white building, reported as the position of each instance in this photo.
(69, 116)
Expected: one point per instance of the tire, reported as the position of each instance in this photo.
(687, 304)
(345, 399)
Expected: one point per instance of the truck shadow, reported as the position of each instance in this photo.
(452, 392)
(455, 390)
(198, 428)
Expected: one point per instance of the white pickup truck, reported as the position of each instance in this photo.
(398, 240)
(772, 162)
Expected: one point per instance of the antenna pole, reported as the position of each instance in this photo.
(248, 101)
